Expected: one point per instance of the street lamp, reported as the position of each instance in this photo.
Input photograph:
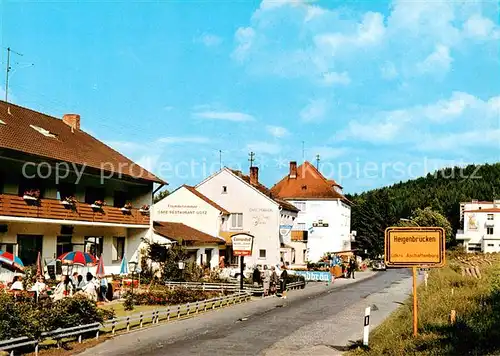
(133, 267)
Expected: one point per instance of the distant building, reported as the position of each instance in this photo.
(253, 209)
(481, 226)
(324, 221)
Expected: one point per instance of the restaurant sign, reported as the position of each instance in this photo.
(242, 244)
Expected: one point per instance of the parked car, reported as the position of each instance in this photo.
(379, 265)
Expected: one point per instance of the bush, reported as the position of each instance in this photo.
(22, 316)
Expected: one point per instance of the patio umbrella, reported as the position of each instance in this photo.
(124, 267)
(39, 268)
(77, 258)
(100, 268)
(10, 260)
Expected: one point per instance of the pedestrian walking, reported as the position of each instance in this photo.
(256, 278)
(283, 279)
(352, 267)
(274, 280)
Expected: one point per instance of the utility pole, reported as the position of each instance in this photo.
(220, 158)
(251, 159)
(7, 71)
(317, 162)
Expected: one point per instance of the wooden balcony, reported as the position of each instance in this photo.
(13, 205)
(299, 235)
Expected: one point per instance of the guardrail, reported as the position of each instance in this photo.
(126, 322)
(228, 286)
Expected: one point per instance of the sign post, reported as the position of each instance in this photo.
(415, 247)
(242, 246)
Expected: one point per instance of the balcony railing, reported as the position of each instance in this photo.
(300, 235)
(13, 205)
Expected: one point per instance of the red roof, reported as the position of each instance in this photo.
(207, 200)
(180, 232)
(486, 210)
(19, 133)
(309, 184)
(264, 190)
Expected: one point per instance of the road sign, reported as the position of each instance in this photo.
(242, 244)
(415, 247)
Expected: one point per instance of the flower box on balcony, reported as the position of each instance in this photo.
(144, 209)
(125, 209)
(29, 197)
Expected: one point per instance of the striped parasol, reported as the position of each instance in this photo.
(100, 268)
(39, 267)
(10, 260)
(77, 258)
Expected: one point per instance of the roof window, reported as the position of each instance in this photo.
(3, 123)
(44, 132)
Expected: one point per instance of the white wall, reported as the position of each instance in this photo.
(475, 231)
(182, 206)
(261, 215)
(335, 237)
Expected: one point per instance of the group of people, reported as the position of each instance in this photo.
(270, 280)
(67, 287)
(348, 271)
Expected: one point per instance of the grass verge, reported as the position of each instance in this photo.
(477, 305)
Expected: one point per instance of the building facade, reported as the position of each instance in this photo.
(253, 210)
(62, 190)
(323, 223)
(481, 226)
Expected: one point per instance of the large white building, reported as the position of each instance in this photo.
(481, 222)
(252, 209)
(324, 221)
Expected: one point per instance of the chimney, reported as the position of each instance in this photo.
(293, 169)
(72, 120)
(254, 175)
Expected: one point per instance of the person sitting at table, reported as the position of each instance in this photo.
(17, 284)
(90, 288)
(64, 288)
(40, 288)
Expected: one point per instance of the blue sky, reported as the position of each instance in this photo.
(382, 91)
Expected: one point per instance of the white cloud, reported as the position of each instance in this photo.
(480, 27)
(445, 110)
(314, 111)
(331, 78)
(460, 140)
(263, 147)
(438, 61)
(181, 139)
(244, 39)
(369, 32)
(224, 115)
(210, 40)
(277, 131)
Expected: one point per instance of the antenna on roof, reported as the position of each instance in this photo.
(317, 162)
(7, 71)
(303, 153)
(251, 159)
(220, 158)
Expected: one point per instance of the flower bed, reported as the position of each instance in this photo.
(165, 296)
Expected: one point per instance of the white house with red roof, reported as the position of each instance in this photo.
(481, 222)
(324, 221)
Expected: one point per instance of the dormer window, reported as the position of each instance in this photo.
(44, 132)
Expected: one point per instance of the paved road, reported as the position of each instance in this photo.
(254, 328)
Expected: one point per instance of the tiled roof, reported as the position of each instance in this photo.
(201, 196)
(309, 184)
(178, 231)
(486, 210)
(264, 190)
(22, 132)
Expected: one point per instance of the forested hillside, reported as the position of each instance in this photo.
(373, 211)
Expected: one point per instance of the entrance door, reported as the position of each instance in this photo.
(208, 253)
(28, 247)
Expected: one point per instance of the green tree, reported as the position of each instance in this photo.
(428, 217)
(160, 195)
